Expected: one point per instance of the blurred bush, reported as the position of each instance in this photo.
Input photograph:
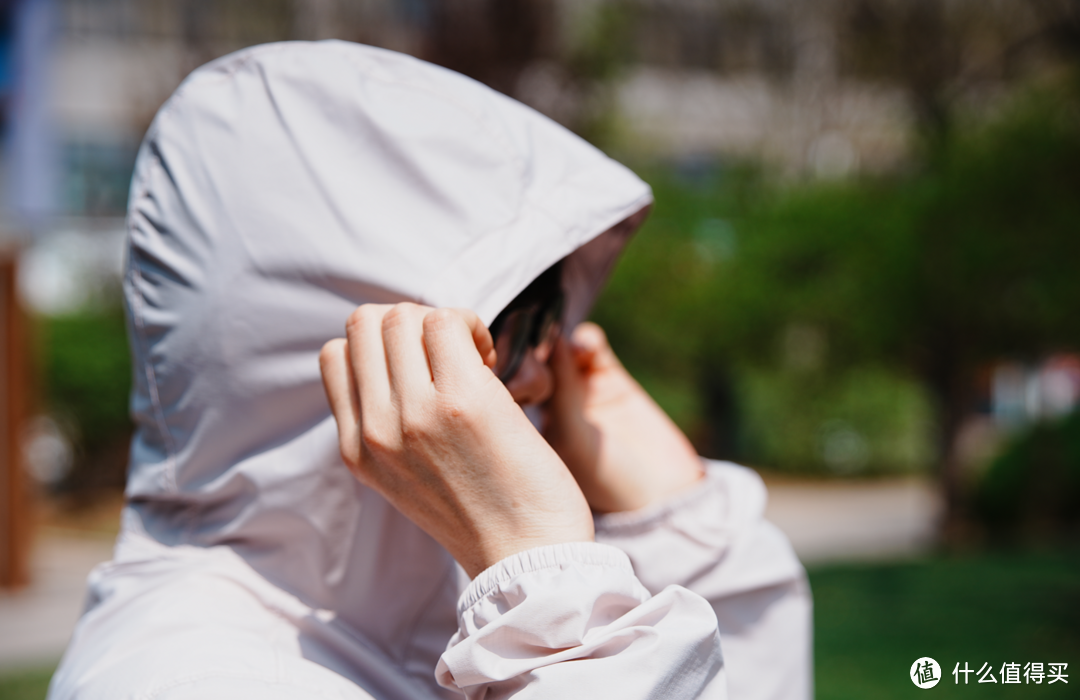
(862, 421)
(86, 381)
(787, 408)
(1032, 489)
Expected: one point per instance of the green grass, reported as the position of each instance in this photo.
(30, 684)
(874, 620)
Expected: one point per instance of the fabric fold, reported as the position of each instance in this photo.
(523, 622)
(714, 540)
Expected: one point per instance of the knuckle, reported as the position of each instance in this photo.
(350, 454)
(439, 320)
(364, 317)
(358, 472)
(467, 315)
(402, 313)
(416, 425)
(455, 410)
(349, 448)
(375, 438)
(413, 433)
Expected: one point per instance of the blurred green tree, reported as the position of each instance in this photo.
(767, 392)
(963, 262)
(87, 379)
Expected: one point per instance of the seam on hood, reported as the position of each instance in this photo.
(216, 72)
(225, 68)
(135, 304)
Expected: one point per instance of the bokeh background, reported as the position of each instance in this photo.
(861, 277)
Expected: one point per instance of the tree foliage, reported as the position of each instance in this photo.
(87, 378)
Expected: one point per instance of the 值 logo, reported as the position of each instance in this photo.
(925, 672)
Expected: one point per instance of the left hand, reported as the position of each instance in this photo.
(622, 449)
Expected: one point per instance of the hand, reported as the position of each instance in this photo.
(423, 420)
(622, 449)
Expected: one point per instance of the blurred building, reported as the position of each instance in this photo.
(1023, 394)
(759, 80)
(825, 87)
(815, 87)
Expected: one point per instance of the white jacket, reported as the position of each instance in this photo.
(279, 188)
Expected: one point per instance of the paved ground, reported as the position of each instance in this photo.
(834, 521)
(825, 522)
(37, 621)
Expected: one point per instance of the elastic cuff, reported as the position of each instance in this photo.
(552, 556)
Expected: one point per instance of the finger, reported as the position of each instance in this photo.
(485, 344)
(367, 358)
(458, 345)
(591, 348)
(406, 358)
(341, 393)
(569, 380)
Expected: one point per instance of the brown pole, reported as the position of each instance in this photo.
(15, 511)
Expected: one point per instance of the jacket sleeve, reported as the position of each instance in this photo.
(572, 621)
(715, 541)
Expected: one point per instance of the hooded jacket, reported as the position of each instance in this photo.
(279, 188)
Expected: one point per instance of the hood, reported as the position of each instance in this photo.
(279, 188)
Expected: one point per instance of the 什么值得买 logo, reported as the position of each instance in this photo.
(926, 673)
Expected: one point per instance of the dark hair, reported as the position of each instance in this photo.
(544, 290)
(531, 322)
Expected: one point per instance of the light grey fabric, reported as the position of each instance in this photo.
(715, 541)
(279, 188)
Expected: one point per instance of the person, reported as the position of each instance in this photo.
(374, 516)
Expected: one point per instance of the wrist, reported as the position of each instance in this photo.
(498, 548)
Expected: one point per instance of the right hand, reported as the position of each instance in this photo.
(624, 451)
(423, 420)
